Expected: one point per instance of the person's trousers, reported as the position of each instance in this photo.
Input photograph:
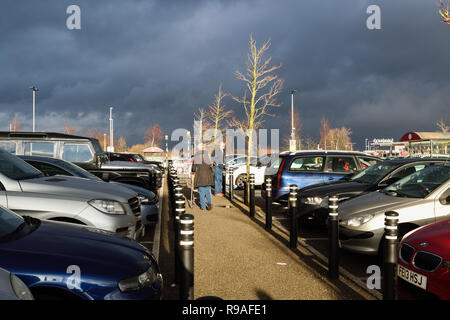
(204, 192)
(217, 179)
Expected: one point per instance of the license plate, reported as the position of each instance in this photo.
(412, 277)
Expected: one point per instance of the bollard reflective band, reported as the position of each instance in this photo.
(390, 237)
(187, 221)
(180, 209)
(186, 243)
(186, 231)
(333, 206)
(391, 227)
(335, 214)
(179, 201)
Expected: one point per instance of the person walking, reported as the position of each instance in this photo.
(203, 178)
(218, 169)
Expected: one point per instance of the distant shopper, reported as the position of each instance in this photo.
(218, 169)
(203, 179)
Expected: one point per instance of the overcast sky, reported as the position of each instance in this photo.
(160, 61)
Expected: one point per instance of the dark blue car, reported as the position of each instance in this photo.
(62, 261)
(305, 168)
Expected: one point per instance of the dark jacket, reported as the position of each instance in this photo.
(204, 174)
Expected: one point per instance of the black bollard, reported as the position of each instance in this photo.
(246, 192)
(268, 204)
(186, 253)
(224, 181)
(293, 216)
(252, 195)
(180, 208)
(231, 182)
(390, 256)
(333, 238)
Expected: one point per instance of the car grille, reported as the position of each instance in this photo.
(406, 252)
(135, 206)
(426, 261)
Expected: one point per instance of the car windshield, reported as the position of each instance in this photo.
(79, 172)
(374, 173)
(15, 168)
(10, 222)
(421, 183)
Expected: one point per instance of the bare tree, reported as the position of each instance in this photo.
(121, 144)
(68, 129)
(442, 126)
(324, 133)
(217, 114)
(263, 86)
(153, 136)
(310, 143)
(15, 125)
(443, 11)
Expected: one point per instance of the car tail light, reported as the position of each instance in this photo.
(279, 173)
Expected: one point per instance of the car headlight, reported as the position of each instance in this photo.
(312, 200)
(358, 220)
(20, 289)
(108, 206)
(143, 280)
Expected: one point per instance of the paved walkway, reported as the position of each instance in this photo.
(236, 258)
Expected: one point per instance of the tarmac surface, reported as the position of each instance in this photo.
(235, 258)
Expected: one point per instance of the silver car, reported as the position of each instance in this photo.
(419, 199)
(28, 192)
(12, 288)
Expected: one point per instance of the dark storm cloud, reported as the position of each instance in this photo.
(159, 61)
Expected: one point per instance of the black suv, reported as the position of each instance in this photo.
(83, 151)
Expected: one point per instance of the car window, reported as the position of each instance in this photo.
(9, 146)
(307, 164)
(410, 169)
(40, 148)
(15, 168)
(421, 183)
(341, 164)
(48, 169)
(77, 152)
(367, 162)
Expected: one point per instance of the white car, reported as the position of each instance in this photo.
(257, 167)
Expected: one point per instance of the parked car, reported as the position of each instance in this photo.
(148, 200)
(83, 151)
(63, 261)
(424, 262)
(134, 157)
(419, 199)
(12, 288)
(313, 200)
(257, 167)
(27, 191)
(305, 168)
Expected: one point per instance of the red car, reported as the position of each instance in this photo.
(424, 262)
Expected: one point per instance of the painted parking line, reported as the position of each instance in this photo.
(157, 234)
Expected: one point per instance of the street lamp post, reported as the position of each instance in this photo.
(292, 143)
(111, 130)
(34, 106)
